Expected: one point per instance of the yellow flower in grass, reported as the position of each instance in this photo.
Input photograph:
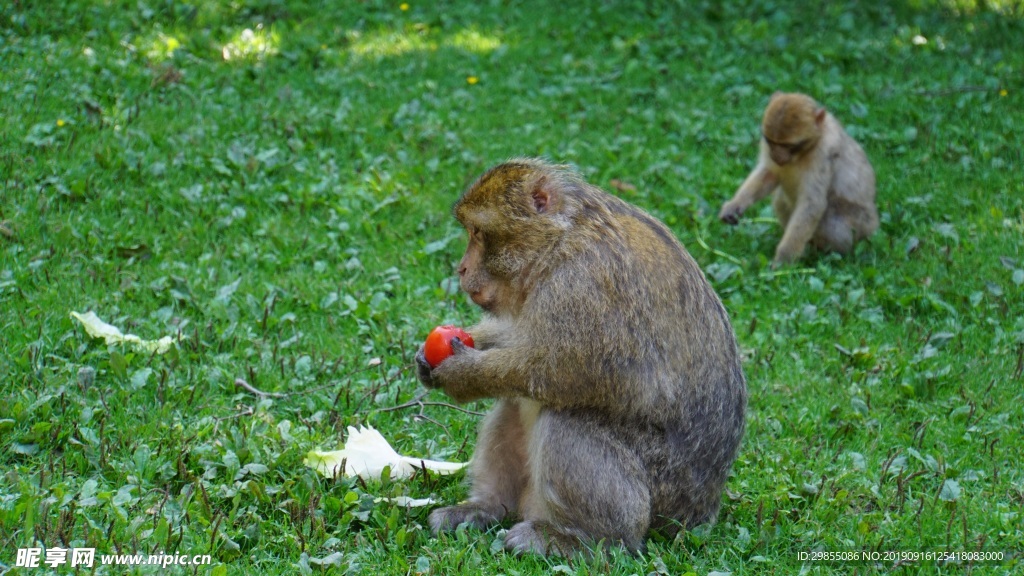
(471, 80)
(60, 122)
(1003, 92)
(403, 7)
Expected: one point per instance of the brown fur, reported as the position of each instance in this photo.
(620, 392)
(823, 184)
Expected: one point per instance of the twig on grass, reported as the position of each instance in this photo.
(420, 416)
(250, 389)
(414, 402)
(242, 383)
(418, 401)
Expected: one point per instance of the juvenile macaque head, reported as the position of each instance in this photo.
(791, 126)
(514, 214)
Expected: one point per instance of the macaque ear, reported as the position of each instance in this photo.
(819, 115)
(542, 196)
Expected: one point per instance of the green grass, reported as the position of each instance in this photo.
(286, 210)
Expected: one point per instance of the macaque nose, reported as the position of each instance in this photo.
(462, 270)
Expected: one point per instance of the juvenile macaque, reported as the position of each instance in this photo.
(823, 183)
(620, 392)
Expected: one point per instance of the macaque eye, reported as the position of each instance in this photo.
(796, 148)
(792, 149)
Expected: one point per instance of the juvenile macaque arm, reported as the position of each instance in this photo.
(760, 183)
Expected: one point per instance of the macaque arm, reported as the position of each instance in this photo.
(472, 374)
(516, 371)
(760, 183)
(489, 332)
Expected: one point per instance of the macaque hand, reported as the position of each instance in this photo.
(730, 213)
(424, 373)
(439, 375)
(451, 374)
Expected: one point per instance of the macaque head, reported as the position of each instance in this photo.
(514, 215)
(791, 126)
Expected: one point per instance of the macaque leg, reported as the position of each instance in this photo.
(758, 184)
(586, 486)
(834, 234)
(801, 227)
(499, 473)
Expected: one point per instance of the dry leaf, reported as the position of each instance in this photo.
(112, 335)
(367, 453)
(7, 230)
(406, 502)
(622, 186)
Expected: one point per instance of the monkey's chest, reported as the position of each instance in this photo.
(784, 199)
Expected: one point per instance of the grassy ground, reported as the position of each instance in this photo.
(271, 180)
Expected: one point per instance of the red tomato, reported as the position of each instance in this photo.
(439, 343)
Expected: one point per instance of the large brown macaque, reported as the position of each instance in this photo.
(620, 395)
(823, 183)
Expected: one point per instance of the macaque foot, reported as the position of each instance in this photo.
(785, 256)
(539, 538)
(475, 515)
